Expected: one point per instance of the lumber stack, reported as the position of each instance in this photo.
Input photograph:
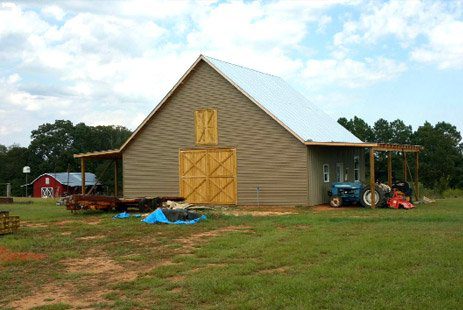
(6, 200)
(8, 224)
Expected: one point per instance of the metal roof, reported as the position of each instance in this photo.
(290, 108)
(75, 178)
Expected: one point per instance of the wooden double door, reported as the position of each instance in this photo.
(208, 175)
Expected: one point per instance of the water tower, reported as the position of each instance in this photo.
(26, 171)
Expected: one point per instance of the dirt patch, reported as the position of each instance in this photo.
(274, 270)
(176, 290)
(9, 256)
(51, 294)
(89, 221)
(258, 213)
(33, 225)
(327, 207)
(176, 278)
(93, 222)
(96, 237)
(261, 211)
(100, 265)
(191, 242)
(98, 270)
(65, 222)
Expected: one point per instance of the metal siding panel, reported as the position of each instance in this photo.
(267, 154)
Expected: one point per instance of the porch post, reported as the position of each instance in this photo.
(372, 178)
(389, 168)
(417, 185)
(405, 165)
(116, 169)
(82, 170)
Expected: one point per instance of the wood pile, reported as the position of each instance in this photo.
(8, 224)
(6, 200)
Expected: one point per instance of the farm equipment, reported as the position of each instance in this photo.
(109, 203)
(399, 201)
(345, 193)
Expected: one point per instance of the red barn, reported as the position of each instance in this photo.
(61, 184)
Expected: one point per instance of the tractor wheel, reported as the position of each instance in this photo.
(380, 197)
(336, 201)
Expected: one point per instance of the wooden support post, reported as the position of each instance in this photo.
(405, 165)
(389, 168)
(372, 178)
(116, 170)
(417, 185)
(82, 169)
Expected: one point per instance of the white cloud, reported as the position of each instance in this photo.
(409, 21)
(99, 63)
(351, 73)
(122, 56)
(445, 46)
(54, 11)
(11, 94)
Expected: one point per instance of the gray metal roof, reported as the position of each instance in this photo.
(75, 178)
(285, 104)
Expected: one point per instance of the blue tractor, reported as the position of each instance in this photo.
(345, 193)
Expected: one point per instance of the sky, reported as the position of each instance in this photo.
(111, 62)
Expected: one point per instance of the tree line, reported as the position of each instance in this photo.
(441, 160)
(52, 148)
(53, 144)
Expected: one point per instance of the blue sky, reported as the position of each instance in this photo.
(111, 62)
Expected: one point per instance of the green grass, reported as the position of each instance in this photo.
(357, 258)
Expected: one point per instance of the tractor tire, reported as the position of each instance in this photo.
(336, 201)
(380, 197)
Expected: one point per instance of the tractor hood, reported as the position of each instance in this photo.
(350, 185)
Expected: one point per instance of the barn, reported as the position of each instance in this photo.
(226, 134)
(59, 184)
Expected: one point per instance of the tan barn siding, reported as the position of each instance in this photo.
(267, 154)
(318, 156)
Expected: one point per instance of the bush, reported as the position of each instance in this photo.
(453, 193)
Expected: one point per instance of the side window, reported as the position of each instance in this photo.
(356, 168)
(339, 172)
(206, 132)
(326, 173)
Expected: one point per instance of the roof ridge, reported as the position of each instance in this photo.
(247, 68)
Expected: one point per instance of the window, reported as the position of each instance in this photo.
(356, 168)
(339, 172)
(47, 181)
(206, 127)
(326, 173)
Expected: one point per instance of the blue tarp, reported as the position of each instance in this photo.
(159, 217)
(125, 215)
(122, 215)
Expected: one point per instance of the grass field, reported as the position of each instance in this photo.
(310, 258)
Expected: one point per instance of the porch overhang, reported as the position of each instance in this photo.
(376, 146)
(108, 154)
(114, 155)
(383, 147)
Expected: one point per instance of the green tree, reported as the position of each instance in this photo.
(12, 160)
(442, 157)
(52, 148)
(359, 128)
